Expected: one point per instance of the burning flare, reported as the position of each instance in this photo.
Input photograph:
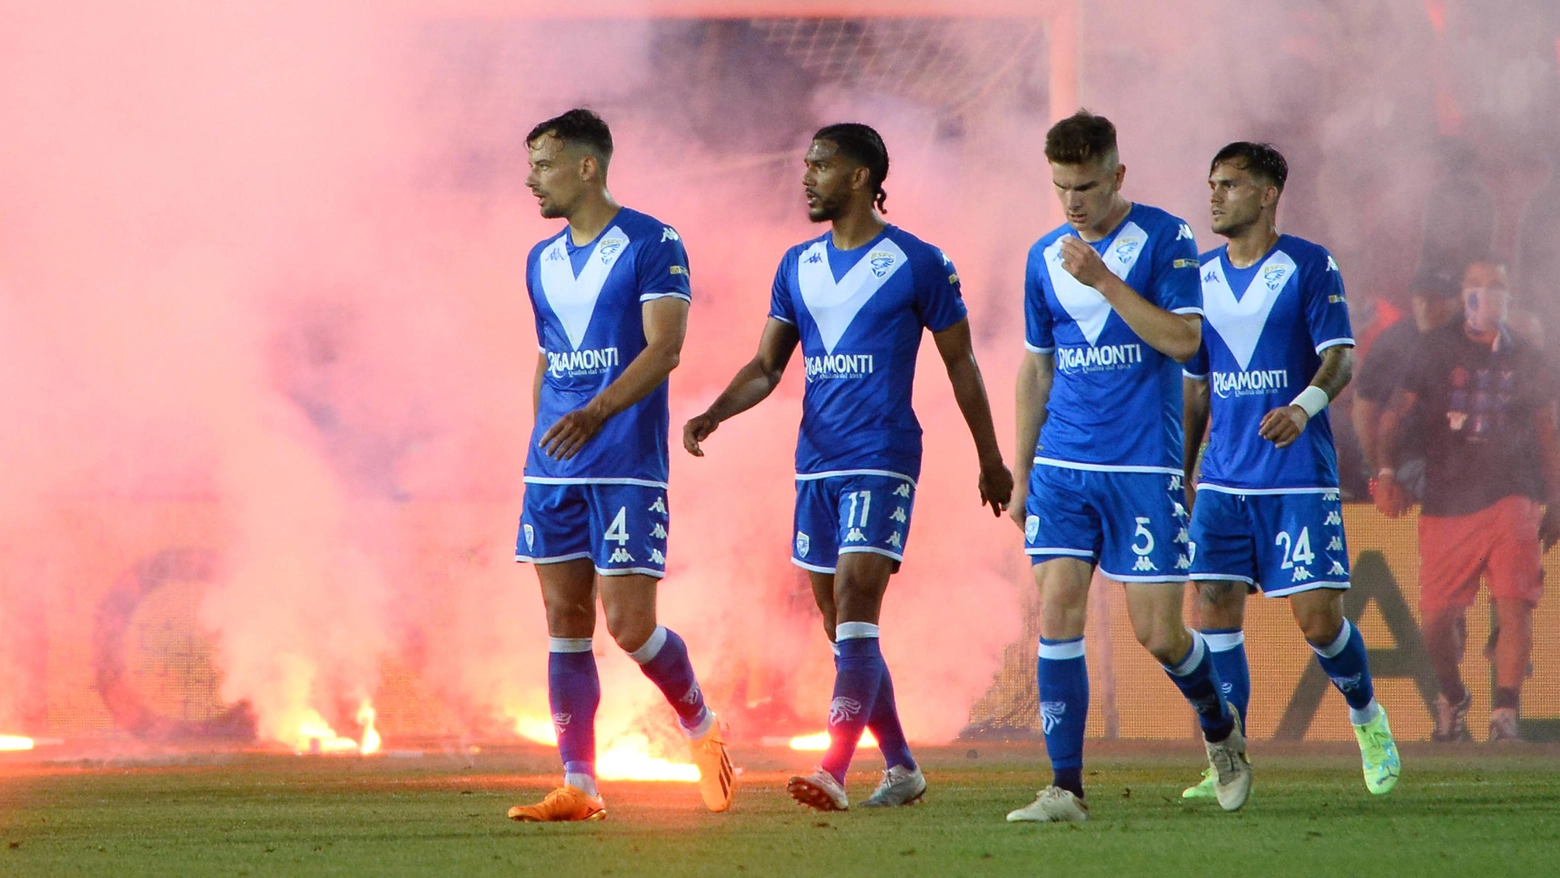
(627, 756)
(820, 741)
(314, 734)
(15, 742)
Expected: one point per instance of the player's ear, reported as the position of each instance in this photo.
(1121, 174)
(1270, 195)
(861, 178)
(590, 168)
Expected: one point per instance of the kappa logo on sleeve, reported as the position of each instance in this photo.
(1185, 233)
(669, 234)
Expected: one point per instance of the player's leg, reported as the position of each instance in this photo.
(902, 782)
(1223, 568)
(629, 526)
(551, 532)
(1147, 547)
(1516, 584)
(1061, 537)
(1451, 560)
(1340, 650)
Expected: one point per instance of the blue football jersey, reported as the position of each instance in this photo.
(1264, 330)
(1115, 401)
(859, 314)
(589, 322)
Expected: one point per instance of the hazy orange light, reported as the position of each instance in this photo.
(820, 741)
(365, 718)
(628, 758)
(15, 742)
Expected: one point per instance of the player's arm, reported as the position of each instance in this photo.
(1194, 427)
(1284, 424)
(1390, 497)
(1366, 416)
(958, 356)
(1548, 425)
(1032, 390)
(1177, 336)
(752, 384)
(666, 324)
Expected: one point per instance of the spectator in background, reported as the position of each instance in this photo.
(1436, 302)
(1492, 457)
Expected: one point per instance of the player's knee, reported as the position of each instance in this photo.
(1165, 643)
(629, 628)
(1321, 629)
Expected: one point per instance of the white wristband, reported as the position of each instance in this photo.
(1312, 399)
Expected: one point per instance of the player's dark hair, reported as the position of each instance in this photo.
(1080, 139)
(864, 146)
(578, 127)
(1263, 160)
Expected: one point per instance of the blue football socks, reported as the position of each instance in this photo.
(664, 659)
(1064, 709)
(1198, 681)
(1346, 665)
(859, 670)
(574, 692)
(1228, 648)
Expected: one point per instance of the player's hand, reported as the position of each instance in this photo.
(1083, 262)
(697, 430)
(1019, 502)
(1283, 425)
(996, 487)
(1391, 499)
(565, 438)
(1549, 527)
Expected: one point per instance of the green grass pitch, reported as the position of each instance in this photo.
(1467, 811)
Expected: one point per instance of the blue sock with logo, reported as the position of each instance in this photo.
(1063, 677)
(1228, 648)
(573, 692)
(1198, 681)
(856, 678)
(664, 659)
(884, 722)
(1347, 667)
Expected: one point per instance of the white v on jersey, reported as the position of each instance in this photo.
(1264, 330)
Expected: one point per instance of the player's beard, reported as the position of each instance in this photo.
(827, 210)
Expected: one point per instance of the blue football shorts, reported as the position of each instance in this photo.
(1280, 543)
(1131, 525)
(853, 512)
(620, 527)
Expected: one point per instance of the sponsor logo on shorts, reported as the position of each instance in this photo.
(530, 537)
(803, 543)
(1031, 527)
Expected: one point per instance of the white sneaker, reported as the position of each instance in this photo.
(1053, 805)
(1232, 780)
(1451, 719)
(819, 791)
(1503, 726)
(900, 786)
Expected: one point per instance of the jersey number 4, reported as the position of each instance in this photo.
(618, 531)
(1297, 550)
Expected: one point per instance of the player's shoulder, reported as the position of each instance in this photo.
(918, 251)
(1160, 224)
(794, 253)
(1308, 255)
(642, 227)
(1212, 255)
(1038, 248)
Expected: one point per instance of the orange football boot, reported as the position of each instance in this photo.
(564, 803)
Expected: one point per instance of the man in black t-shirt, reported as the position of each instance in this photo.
(1492, 462)
(1437, 302)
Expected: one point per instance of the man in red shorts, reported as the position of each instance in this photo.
(1492, 460)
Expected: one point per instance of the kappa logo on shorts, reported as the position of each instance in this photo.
(659, 505)
(658, 532)
(1301, 574)
(803, 543)
(1330, 497)
(1183, 562)
(530, 537)
(1333, 518)
(1051, 713)
(1145, 565)
(899, 515)
(896, 540)
(855, 536)
(620, 555)
(1031, 527)
(1335, 545)
(1336, 569)
(1175, 484)
(843, 710)
(903, 490)
(657, 558)
(1181, 536)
